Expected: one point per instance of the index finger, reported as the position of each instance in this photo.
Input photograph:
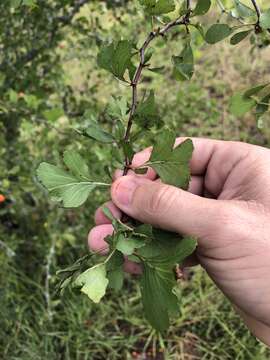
(204, 151)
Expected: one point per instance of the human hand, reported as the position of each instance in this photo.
(227, 208)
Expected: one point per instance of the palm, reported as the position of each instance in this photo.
(239, 258)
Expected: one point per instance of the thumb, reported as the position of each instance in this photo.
(165, 206)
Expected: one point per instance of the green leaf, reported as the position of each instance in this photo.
(217, 32)
(254, 90)
(183, 8)
(71, 190)
(105, 55)
(237, 38)
(265, 20)
(31, 3)
(184, 64)
(76, 164)
(116, 279)
(167, 249)
(148, 54)
(157, 296)
(202, 7)
(121, 58)
(127, 245)
(15, 3)
(263, 106)
(117, 224)
(32, 101)
(172, 165)
(158, 7)
(117, 108)
(240, 105)
(119, 131)
(116, 58)
(146, 113)
(131, 70)
(200, 29)
(243, 10)
(53, 114)
(93, 282)
(158, 280)
(157, 70)
(13, 96)
(115, 273)
(127, 149)
(144, 230)
(95, 132)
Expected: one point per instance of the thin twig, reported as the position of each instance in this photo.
(137, 76)
(222, 8)
(47, 280)
(257, 9)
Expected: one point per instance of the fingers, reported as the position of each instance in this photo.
(132, 268)
(96, 238)
(203, 151)
(216, 154)
(195, 187)
(165, 206)
(100, 217)
(215, 161)
(97, 244)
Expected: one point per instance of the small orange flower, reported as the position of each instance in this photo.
(2, 198)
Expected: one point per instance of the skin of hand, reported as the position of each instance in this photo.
(227, 207)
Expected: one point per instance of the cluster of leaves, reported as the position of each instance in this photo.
(257, 98)
(157, 251)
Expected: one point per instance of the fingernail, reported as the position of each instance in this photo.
(124, 190)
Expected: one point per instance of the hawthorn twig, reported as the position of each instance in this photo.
(137, 76)
(257, 9)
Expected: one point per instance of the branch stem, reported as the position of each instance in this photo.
(138, 73)
(257, 9)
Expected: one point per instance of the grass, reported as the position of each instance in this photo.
(36, 323)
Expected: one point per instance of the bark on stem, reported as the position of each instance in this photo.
(137, 76)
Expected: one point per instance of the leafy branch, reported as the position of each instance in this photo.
(138, 73)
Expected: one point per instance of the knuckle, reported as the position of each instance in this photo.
(161, 200)
(221, 220)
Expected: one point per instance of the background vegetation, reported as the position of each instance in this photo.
(50, 84)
